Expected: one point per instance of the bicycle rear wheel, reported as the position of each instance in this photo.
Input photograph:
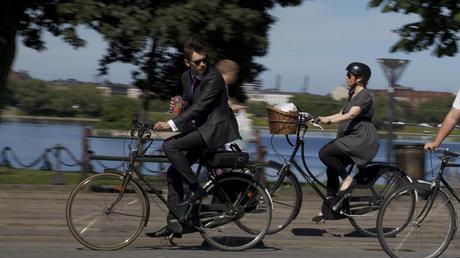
(236, 214)
(97, 226)
(284, 190)
(425, 231)
(366, 199)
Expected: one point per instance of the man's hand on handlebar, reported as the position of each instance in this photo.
(162, 126)
(430, 146)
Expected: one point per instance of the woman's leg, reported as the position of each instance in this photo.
(336, 162)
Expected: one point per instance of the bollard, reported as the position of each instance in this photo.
(85, 160)
(410, 158)
(58, 177)
(260, 155)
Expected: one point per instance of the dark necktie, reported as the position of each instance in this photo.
(195, 83)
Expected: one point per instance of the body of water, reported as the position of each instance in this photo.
(30, 140)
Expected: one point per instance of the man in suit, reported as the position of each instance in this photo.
(212, 125)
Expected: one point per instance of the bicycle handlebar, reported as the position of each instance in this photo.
(445, 152)
(144, 130)
(307, 117)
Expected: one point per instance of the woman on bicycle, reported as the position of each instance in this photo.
(357, 139)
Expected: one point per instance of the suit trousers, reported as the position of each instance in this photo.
(182, 151)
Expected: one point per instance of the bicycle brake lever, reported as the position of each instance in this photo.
(317, 125)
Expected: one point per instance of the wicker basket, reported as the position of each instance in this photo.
(281, 122)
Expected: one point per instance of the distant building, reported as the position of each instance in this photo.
(19, 75)
(254, 92)
(106, 91)
(134, 93)
(339, 93)
(414, 98)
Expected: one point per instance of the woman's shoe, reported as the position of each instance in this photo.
(346, 191)
(318, 218)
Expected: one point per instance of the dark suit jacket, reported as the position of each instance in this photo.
(208, 106)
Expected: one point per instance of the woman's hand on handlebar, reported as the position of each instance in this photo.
(162, 126)
(324, 120)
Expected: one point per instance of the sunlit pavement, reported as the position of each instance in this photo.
(32, 224)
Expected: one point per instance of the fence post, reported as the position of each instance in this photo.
(58, 177)
(85, 153)
(260, 154)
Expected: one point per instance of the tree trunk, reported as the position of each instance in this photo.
(10, 15)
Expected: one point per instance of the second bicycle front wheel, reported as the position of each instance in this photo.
(236, 214)
(425, 231)
(100, 217)
(284, 189)
(376, 182)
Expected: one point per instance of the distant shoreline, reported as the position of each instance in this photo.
(317, 132)
(48, 118)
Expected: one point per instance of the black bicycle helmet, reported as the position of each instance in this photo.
(360, 69)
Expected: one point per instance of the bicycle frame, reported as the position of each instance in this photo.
(436, 186)
(132, 169)
(306, 173)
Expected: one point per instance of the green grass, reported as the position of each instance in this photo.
(29, 176)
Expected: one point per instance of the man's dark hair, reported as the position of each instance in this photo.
(191, 46)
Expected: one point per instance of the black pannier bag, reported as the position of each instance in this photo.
(227, 159)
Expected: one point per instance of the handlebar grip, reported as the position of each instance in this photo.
(447, 152)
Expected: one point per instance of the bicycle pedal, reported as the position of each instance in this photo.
(170, 238)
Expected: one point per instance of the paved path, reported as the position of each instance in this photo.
(32, 224)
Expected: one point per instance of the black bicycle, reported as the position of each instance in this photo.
(109, 210)
(375, 182)
(422, 214)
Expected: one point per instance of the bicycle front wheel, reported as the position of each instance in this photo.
(236, 214)
(366, 199)
(285, 191)
(100, 217)
(425, 231)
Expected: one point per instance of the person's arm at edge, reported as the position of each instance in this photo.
(448, 125)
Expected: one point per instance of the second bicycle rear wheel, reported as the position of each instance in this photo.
(236, 214)
(284, 189)
(380, 181)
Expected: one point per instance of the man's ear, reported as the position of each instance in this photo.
(186, 63)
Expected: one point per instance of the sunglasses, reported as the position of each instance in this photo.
(198, 62)
(349, 75)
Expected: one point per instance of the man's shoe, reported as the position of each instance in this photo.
(164, 232)
(194, 197)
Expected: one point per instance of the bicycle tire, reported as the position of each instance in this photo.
(90, 221)
(286, 196)
(234, 199)
(429, 238)
(366, 199)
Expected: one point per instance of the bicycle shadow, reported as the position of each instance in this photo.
(323, 232)
(204, 246)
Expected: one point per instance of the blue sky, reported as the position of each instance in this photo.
(317, 39)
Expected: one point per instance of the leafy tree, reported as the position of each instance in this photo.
(118, 112)
(257, 108)
(434, 110)
(150, 34)
(32, 96)
(60, 102)
(30, 18)
(88, 100)
(438, 26)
